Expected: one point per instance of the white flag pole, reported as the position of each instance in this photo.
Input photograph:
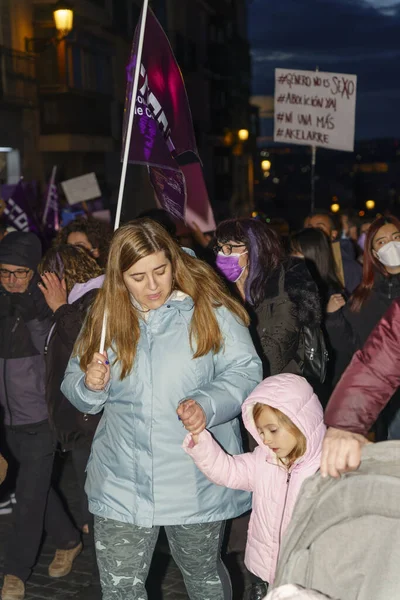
(313, 163)
(49, 192)
(131, 114)
(127, 143)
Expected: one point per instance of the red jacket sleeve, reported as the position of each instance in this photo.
(370, 380)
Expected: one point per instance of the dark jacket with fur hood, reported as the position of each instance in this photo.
(291, 302)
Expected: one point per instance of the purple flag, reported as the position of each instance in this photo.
(162, 133)
(19, 202)
(52, 216)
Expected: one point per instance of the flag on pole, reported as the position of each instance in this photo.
(53, 219)
(19, 200)
(51, 216)
(162, 133)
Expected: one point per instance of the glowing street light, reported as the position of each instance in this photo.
(370, 204)
(265, 165)
(243, 135)
(335, 207)
(63, 18)
(63, 15)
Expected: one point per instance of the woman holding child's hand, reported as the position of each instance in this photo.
(178, 355)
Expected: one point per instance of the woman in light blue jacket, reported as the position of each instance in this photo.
(177, 344)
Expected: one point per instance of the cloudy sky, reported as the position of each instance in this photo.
(359, 37)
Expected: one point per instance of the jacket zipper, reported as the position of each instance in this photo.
(4, 377)
(390, 289)
(289, 475)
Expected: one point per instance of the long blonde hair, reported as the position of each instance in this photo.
(131, 243)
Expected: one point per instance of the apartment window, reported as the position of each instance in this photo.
(212, 33)
(135, 16)
(192, 56)
(120, 16)
(90, 71)
(50, 113)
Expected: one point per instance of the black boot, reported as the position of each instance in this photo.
(258, 591)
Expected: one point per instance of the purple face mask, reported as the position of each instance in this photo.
(361, 241)
(229, 266)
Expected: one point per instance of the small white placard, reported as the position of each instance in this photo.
(80, 189)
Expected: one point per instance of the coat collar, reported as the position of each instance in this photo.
(178, 300)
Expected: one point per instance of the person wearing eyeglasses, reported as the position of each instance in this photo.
(25, 321)
(278, 292)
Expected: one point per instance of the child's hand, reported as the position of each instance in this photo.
(192, 416)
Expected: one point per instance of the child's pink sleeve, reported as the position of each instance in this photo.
(237, 472)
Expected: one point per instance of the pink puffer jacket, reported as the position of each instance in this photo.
(274, 489)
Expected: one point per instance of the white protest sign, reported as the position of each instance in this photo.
(314, 108)
(102, 215)
(80, 189)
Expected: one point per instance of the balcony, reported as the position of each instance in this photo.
(76, 94)
(17, 78)
(74, 113)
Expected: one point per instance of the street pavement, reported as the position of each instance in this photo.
(164, 581)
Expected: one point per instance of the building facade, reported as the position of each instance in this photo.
(61, 103)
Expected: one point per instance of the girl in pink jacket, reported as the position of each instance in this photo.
(285, 417)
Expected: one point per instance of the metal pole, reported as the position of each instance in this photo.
(313, 161)
(131, 115)
(127, 145)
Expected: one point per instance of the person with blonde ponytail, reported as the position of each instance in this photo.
(178, 355)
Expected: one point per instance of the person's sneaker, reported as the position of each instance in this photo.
(61, 564)
(6, 506)
(13, 588)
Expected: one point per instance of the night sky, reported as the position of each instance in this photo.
(360, 37)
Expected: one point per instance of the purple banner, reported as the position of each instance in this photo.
(20, 200)
(170, 187)
(162, 127)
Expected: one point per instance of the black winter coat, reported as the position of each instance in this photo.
(348, 330)
(277, 323)
(25, 321)
(72, 428)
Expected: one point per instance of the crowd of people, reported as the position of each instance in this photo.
(190, 386)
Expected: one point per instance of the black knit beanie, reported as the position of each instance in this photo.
(21, 249)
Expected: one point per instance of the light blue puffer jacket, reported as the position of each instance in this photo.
(137, 471)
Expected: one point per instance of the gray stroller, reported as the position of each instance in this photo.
(344, 537)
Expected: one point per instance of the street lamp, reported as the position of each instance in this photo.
(265, 165)
(243, 135)
(370, 204)
(63, 16)
(335, 207)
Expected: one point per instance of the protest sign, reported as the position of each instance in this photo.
(102, 215)
(315, 108)
(80, 189)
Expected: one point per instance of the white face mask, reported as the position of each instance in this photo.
(389, 254)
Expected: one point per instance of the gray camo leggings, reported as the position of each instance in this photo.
(124, 554)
